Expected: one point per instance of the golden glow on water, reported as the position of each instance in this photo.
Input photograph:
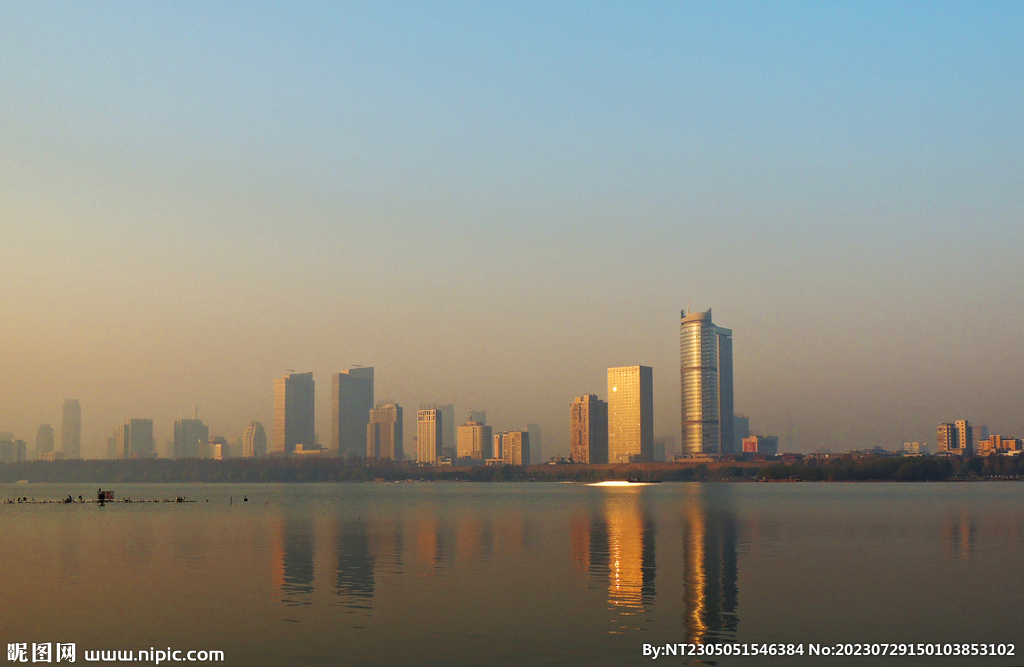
(694, 575)
(625, 543)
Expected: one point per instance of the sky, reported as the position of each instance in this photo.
(492, 203)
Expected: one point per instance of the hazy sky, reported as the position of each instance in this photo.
(493, 203)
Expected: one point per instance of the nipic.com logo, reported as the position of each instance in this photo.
(47, 652)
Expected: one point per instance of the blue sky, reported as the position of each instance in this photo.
(492, 203)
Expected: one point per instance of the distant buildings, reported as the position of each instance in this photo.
(761, 444)
(915, 448)
(12, 450)
(473, 441)
(191, 437)
(997, 444)
(352, 399)
(630, 414)
(44, 440)
(536, 456)
(218, 448)
(134, 440)
(294, 415)
(705, 364)
(588, 430)
(254, 444)
(384, 433)
(515, 447)
(429, 437)
(448, 425)
(71, 429)
(740, 430)
(955, 438)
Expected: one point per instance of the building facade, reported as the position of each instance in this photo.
(384, 433)
(474, 441)
(630, 414)
(44, 440)
(761, 444)
(71, 429)
(191, 437)
(536, 438)
(351, 401)
(134, 439)
(588, 430)
(955, 438)
(254, 443)
(705, 365)
(429, 436)
(515, 447)
(294, 414)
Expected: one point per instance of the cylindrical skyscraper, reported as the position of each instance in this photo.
(705, 363)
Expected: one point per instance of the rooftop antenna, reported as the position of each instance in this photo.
(357, 365)
(195, 411)
(290, 370)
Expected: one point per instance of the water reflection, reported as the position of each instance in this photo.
(631, 544)
(294, 551)
(960, 532)
(354, 581)
(710, 533)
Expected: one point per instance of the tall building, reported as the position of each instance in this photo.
(535, 443)
(945, 439)
(44, 440)
(294, 415)
(384, 433)
(254, 444)
(478, 416)
(71, 429)
(351, 402)
(448, 424)
(956, 438)
(12, 450)
(630, 414)
(705, 365)
(740, 430)
(474, 441)
(964, 437)
(588, 430)
(191, 437)
(428, 436)
(134, 439)
(218, 448)
(515, 447)
(761, 444)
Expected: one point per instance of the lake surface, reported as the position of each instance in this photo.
(502, 574)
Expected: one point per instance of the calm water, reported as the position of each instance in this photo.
(545, 574)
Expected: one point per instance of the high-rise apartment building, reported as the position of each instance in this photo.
(71, 429)
(536, 438)
(428, 436)
(630, 414)
(474, 440)
(588, 430)
(12, 450)
(965, 437)
(515, 447)
(448, 424)
(294, 414)
(384, 433)
(351, 402)
(44, 440)
(955, 438)
(705, 364)
(191, 437)
(254, 444)
(134, 439)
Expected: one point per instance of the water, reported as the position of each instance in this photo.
(496, 574)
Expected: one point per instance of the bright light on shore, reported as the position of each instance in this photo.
(615, 483)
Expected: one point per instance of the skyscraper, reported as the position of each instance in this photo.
(71, 429)
(448, 425)
(535, 443)
(588, 430)
(294, 416)
(44, 440)
(191, 438)
(474, 441)
(515, 447)
(630, 414)
(254, 445)
(965, 437)
(134, 439)
(351, 402)
(428, 436)
(705, 364)
(384, 433)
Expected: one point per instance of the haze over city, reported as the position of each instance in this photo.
(492, 207)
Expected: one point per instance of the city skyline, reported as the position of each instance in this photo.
(260, 190)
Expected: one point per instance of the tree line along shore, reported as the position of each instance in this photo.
(835, 469)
